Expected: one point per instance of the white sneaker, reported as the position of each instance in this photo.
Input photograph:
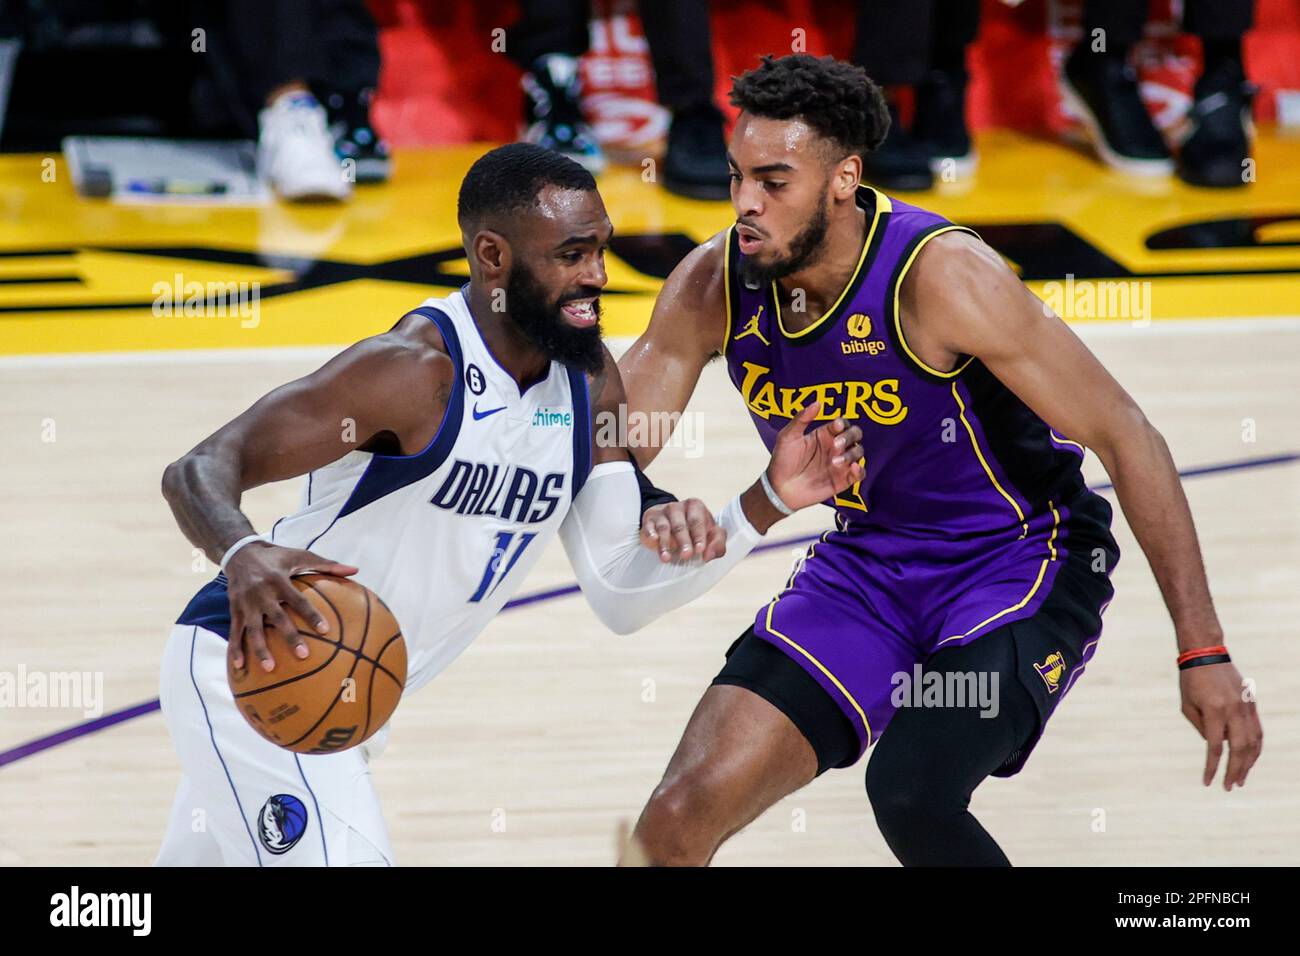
(295, 152)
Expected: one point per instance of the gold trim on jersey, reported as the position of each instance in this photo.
(799, 565)
(812, 551)
(846, 498)
(881, 206)
(726, 285)
(1038, 581)
(1066, 441)
(898, 319)
(961, 413)
(1056, 523)
(823, 668)
(820, 667)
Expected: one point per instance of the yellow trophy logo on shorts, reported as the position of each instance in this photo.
(1051, 671)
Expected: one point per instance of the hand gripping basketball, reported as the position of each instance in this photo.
(260, 588)
(345, 690)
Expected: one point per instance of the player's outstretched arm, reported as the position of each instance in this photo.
(981, 308)
(384, 393)
(626, 568)
(686, 330)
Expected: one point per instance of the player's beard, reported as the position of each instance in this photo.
(805, 247)
(543, 324)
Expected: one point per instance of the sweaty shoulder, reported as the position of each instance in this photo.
(693, 303)
(415, 339)
(409, 370)
(955, 264)
(946, 296)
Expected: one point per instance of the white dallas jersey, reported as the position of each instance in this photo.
(446, 535)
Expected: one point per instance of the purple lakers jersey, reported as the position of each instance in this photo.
(949, 454)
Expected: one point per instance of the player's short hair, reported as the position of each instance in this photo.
(507, 180)
(837, 99)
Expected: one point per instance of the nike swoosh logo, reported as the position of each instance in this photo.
(491, 411)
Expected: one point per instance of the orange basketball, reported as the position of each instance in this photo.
(344, 690)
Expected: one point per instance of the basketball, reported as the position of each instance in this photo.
(344, 690)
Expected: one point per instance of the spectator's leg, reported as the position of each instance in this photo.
(940, 124)
(1217, 149)
(1113, 26)
(893, 41)
(545, 43)
(893, 45)
(277, 48)
(547, 27)
(1099, 84)
(682, 52)
(347, 86)
(350, 38)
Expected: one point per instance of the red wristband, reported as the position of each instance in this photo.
(1201, 652)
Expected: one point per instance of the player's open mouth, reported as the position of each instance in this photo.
(581, 312)
(749, 239)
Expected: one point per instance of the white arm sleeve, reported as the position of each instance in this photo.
(624, 581)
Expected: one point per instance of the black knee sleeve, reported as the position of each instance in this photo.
(930, 759)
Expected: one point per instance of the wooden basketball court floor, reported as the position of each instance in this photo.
(549, 731)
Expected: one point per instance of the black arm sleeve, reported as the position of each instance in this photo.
(650, 495)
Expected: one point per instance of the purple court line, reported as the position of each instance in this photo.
(33, 747)
(573, 588)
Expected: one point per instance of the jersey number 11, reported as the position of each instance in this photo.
(491, 578)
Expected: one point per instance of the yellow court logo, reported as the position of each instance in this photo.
(859, 325)
(1052, 670)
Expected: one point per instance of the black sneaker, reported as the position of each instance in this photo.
(901, 164)
(695, 165)
(1216, 151)
(553, 111)
(1101, 91)
(354, 138)
(940, 125)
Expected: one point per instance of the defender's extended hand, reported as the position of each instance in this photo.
(682, 530)
(1214, 703)
(811, 466)
(259, 586)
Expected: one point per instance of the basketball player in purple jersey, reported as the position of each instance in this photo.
(970, 548)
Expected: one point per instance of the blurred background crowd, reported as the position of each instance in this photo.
(308, 81)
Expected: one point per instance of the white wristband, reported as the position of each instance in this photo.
(234, 548)
(773, 497)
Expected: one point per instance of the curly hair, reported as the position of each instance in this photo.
(837, 99)
(508, 179)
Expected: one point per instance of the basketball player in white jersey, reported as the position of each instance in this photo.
(440, 458)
